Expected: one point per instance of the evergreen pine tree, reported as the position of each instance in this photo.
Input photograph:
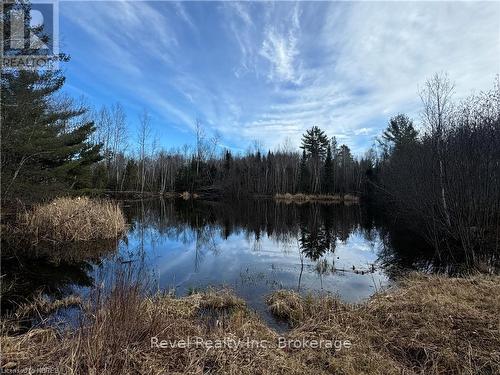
(39, 149)
(328, 172)
(314, 143)
(45, 145)
(399, 133)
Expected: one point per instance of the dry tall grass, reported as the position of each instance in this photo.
(326, 198)
(117, 339)
(74, 219)
(429, 325)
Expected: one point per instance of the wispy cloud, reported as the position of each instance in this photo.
(268, 71)
(281, 51)
(184, 15)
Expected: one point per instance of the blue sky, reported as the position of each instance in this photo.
(259, 71)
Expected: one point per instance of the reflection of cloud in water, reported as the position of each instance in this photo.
(257, 258)
(236, 265)
(357, 251)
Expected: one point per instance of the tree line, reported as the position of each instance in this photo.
(52, 143)
(141, 166)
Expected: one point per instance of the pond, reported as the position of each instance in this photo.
(253, 247)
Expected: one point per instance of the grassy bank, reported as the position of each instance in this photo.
(304, 198)
(431, 325)
(149, 195)
(69, 220)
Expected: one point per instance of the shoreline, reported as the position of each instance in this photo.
(430, 324)
(322, 198)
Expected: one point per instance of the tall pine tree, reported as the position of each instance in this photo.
(399, 133)
(314, 143)
(45, 145)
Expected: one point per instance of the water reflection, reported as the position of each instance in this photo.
(252, 246)
(55, 272)
(255, 247)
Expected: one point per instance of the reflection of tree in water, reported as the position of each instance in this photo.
(156, 220)
(313, 242)
(28, 276)
(317, 226)
(322, 267)
(205, 241)
(322, 225)
(48, 269)
(257, 243)
(403, 250)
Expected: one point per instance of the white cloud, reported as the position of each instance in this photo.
(368, 59)
(184, 15)
(268, 71)
(280, 44)
(281, 51)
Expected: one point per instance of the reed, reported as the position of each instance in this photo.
(73, 219)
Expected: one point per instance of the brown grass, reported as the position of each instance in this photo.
(286, 305)
(73, 219)
(117, 339)
(326, 198)
(219, 299)
(42, 306)
(428, 325)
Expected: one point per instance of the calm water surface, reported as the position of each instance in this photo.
(254, 247)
